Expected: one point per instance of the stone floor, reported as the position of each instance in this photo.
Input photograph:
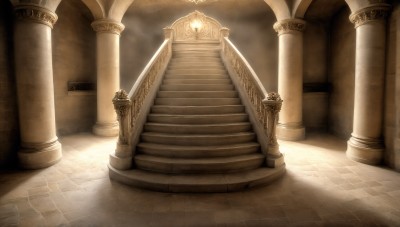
(321, 188)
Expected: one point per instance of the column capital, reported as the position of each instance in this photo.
(289, 26)
(107, 26)
(35, 14)
(369, 14)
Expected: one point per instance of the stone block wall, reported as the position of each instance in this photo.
(74, 60)
(9, 135)
(341, 74)
(392, 91)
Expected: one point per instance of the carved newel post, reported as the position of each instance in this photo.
(273, 105)
(122, 159)
(169, 35)
(224, 34)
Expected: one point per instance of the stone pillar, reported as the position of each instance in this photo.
(366, 144)
(34, 75)
(290, 78)
(108, 34)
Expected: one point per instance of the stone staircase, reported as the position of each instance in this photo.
(198, 137)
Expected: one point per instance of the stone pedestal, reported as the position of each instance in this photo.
(108, 34)
(34, 74)
(366, 144)
(290, 78)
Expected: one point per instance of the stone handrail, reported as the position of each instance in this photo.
(133, 108)
(264, 107)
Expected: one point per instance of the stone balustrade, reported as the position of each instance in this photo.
(265, 106)
(132, 108)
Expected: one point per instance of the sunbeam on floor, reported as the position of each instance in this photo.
(321, 188)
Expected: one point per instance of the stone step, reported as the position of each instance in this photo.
(199, 165)
(190, 110)
(196, 60)
(196, 64)
(197, 183)
(198, 139)
(210, 48)
(198, 119)
(172, 151)
(197, 87)
(198, 129)
(197, 94)
(194, 76)
(197, 81)
(197, 101)
(195, 53)
(195, 71)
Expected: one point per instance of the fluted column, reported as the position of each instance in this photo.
(108, 34)
(290, 78)
(34, 75)
(366, 144)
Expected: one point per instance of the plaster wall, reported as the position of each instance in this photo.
(252, 33)
(9, 137)
(341, 74)
(74, 59)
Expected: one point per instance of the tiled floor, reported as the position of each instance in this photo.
(321, 188)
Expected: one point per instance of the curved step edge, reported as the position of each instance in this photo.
(229, 164)
(197, 183)
(176, 151)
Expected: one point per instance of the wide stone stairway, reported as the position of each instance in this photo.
(198, 137)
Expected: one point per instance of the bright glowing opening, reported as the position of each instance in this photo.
(196, 25)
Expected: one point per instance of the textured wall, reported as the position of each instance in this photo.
(74, 59)
(392, 92)
(9, 136)
(250, 25)
(341, 74)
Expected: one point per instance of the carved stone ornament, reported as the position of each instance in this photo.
(36, 14)
(290, 25)
(108, 26)
(122, 105)
(273, 96)
(366, 15)
(196, 26)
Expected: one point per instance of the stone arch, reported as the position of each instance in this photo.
(96, 8)
(50, 5)
(356, 5)
(108, 9)
(281, 9)
(300, 8)
(196, 26)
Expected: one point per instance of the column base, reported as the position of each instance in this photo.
(106, 129)
(367, 151)
(40, 155)
(274, 162)
(290, 133)
(121, 163)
